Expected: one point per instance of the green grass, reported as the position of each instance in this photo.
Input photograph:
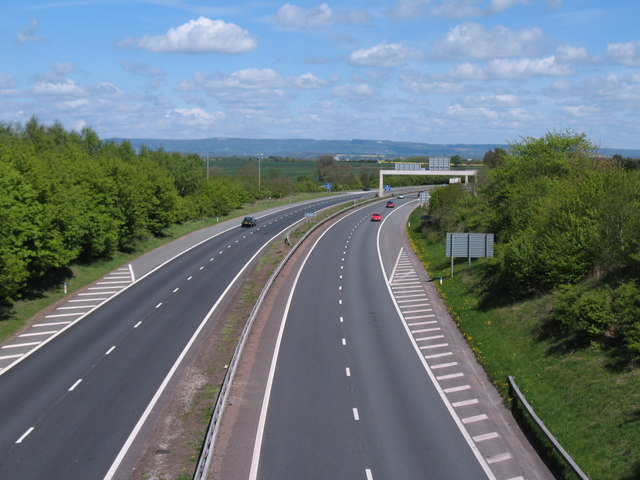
(590, 406)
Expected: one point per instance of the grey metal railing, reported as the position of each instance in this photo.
(515, 392)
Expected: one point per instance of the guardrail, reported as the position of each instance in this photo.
(516, 394)
(212, 430)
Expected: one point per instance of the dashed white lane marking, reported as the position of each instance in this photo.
(176, 289)
(137, 324)
(438, 355)
(475, 418)
(485, 437)
(25, 435)
(110, 350)
(73, 387)
(356, 415)
(48, 332)
(348, 371)
(50, 324)
(344, 341)
(368, 473)
(499, 458)
(461, 388)
(62, 315)
(432, 347)
(20, 345)
(159, 305)
(443, 365)
(7, 357)
(428, 322)
(465, 403)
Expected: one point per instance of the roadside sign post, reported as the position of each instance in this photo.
(470, 245)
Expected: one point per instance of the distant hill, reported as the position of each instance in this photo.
(310, 149)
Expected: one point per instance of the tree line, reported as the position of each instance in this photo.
(566, 222)
(67, 196)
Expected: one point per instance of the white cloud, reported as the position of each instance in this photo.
(570, 54)
(507, 69)
(473, 8)
(580, 111)
(474, 40)
(497, 6)
(383, 55)
(141, 69)
(66, 87)
(293, 17)
(353, 90)
(307, 80)
(29, 34)
(409, 8)
(253, 79)
(418, 84)
(197, 36)
(625, 53)
(195, 117)
(494, 101)
(468, 71)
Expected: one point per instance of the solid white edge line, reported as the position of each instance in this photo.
(134, 433)
(481, 460)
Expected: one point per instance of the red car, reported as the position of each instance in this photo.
(390, 204)
(376, 217)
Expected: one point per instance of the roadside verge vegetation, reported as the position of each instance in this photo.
(559, 306)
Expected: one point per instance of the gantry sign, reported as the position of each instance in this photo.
(445, 173)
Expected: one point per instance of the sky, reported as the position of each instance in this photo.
(431, 71)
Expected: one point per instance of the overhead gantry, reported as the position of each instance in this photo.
(444, 173)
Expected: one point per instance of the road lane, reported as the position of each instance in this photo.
(77, 433)
(383, 420)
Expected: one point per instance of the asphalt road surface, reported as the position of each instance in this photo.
(367, 377)
(350, 398)
(71, 408)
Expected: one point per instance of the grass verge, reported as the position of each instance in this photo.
(591, 407)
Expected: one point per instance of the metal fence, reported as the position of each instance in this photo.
(516, 394)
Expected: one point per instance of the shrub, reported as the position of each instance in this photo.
(585, 314)
(626, 306)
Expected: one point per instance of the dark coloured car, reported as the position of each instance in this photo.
(390, 204)
(376, 217)
(249, 222)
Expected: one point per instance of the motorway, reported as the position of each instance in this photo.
(72, 407)
(359, 373)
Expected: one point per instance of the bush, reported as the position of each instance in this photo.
(626, 306)
(584, 314)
